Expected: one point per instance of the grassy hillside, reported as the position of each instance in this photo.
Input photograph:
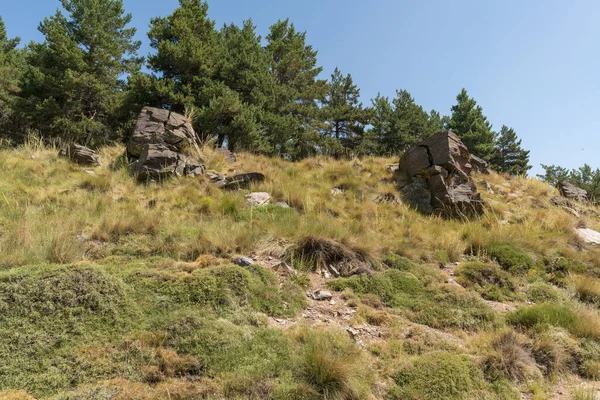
(110, 289)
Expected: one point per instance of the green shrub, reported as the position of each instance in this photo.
(541, 292)
(487, 279)
(510, 258)
(590, 369)
(398, 262)
(438, 376)
(559, 270)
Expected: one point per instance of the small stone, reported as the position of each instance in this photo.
(337, 191)
(282, 204)
(321, 295)
(332, 302)
(243, 261)
(88, 171)
(257, 199)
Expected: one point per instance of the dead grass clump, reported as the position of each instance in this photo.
(318, 254)
(15, 395)
(587, 288)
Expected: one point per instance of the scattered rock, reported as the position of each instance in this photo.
(392, 167)
(214, 176)
(588, 235)
(322, 295)
(282, 204)
(162, 127)
(33, 157)
(243, 261)
(435, 175)
(572, 192)
(487, 186)
(257, 199)
(227, 154)
(240, 180)
(80, 155)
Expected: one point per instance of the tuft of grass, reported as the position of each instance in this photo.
(333, 365)
(541, 292)
(508, 358)
(587, 289)
(583, 323)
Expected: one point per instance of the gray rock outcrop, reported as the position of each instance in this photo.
(435, 175)
(570, 191)
(158, 144)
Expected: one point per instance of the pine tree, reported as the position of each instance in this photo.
(11, 69)
(399, 125)
(74, 85)
(344, 113)
(294, 121)
(509, 156)
(469, 123)
(187, 54)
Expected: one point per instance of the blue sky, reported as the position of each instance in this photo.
(533, 65)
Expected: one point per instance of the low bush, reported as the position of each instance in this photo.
(510, 258)
(438, 376)
(508, 358)
(583, 323)
(541, 292)
(590, 369)
(487, 279)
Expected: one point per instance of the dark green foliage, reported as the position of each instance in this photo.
(439, 376)
(509, 156)
(73, 88)
(436, 306)
(401, 124)
(11, 68)
(227, 285)
(344, 114)
(473, 128)
(510, 258)
(584, 177)
(487, 279)
(559, 270)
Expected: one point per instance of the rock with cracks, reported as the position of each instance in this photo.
(158, 162)
(572, 192)
(435, 175)
(163, 127)
(80, 155)
(589, 235)
(158, 144)
(240, 181)
(257, 199)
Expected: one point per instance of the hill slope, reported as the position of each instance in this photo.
(116, 290)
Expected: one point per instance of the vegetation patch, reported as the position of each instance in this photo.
(223, 286)
(487, 279)
(583, 323)
(510, 258)
(439, 376)
(435, 305)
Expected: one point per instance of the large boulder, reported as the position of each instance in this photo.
(80, 155)
(570, 191)
(158, 143)
(435, 175)
(158, 162)
(162, 127)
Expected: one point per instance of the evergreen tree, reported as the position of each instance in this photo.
(11, 69)
(344, 113)
(293, 123)
(469, 123)
(74, 85)
(399, 125)
(508, 155)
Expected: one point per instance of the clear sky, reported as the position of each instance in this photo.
(531, 64)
